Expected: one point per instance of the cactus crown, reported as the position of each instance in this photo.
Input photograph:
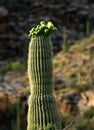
(42, 29)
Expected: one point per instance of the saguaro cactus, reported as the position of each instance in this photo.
(42, 113)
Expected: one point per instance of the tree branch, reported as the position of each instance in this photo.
(68, 126)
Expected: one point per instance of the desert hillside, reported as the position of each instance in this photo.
(73, 75)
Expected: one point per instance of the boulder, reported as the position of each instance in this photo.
(3, 19)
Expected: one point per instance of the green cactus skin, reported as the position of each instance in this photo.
(42, 106)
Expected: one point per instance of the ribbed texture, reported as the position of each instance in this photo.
(42, 106)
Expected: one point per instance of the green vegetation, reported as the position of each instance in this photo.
(13, 114)
(42, 29)
(90, 39)
(50, 126)
(42, 106)
(82, 86)
(17, 123)
(84, 121)
(40, 62)
(64, 46)
(66, 118)
(70, 82)
(87, 28)
(14, 66)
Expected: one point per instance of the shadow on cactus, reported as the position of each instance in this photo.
(42, 106)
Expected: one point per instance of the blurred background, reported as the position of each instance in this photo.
(73, 59)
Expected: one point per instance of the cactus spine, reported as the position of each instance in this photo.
(42, 106)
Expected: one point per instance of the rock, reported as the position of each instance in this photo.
(3, 20)
(76, 59)
(41, 11)
(79, 2)
(65, 107)
(2, 102)
(3, 12)
(58, 81)
(14, 89)
(68, 103)
(59, 84)
(6, 101)
(74, 67)
(13, 83)
(86, 101)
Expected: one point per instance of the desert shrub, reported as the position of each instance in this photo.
(84, 121)
(90, 113)
(70, 82)
(17, 66)
(5, 68)
(14, 66)
(66, 118)
(82, 86)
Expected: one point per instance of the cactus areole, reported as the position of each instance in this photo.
(42, 112)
